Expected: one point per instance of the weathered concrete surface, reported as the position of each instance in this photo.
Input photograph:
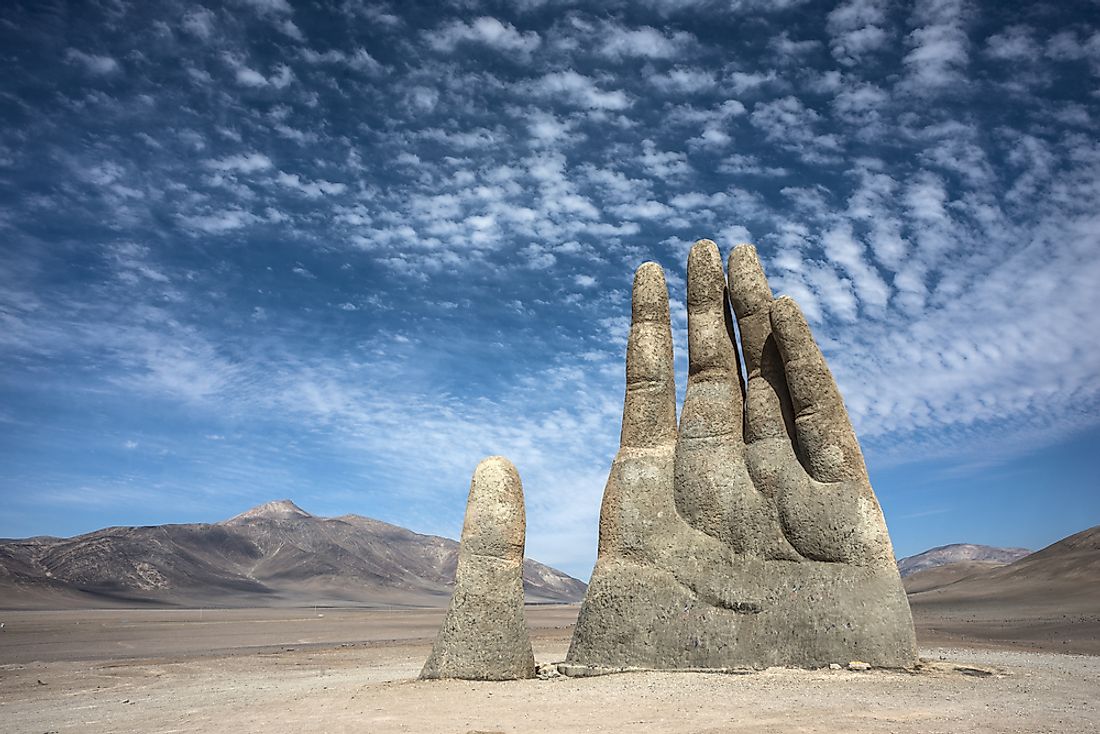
(484, 635)
(749, 535)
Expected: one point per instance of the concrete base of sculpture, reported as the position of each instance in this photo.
(811, 615)
(484, 635)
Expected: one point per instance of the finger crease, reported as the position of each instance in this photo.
(644, 385)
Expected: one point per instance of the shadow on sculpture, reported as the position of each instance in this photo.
(747, 535)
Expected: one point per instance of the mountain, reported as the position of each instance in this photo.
(272, 555)
(1054, 576)
(1047, 600)
(956, 553)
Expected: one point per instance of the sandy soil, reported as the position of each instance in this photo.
(355, 671)
(992, 626)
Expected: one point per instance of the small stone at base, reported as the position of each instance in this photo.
(547, 671)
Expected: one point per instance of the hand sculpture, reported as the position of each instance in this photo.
(750, 535)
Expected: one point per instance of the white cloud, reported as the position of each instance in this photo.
(311, 189)
(240, 163)
(684, 80)
(857, 28)
(790, 50)
(833, 292)
(276, 12)
(664, 164)
(740, 82)
(842, 248)
(873, 203)
(1015, 43)
(940, 48)
(282, 77)
(619, 42)
(486, 31)
(643, 210)
(270, 6)
(289, 28)
(218, 222)
(791, 124)
(1068, 45)
(199, 22)
(926, 197)
(579, 90)
(616, 187)
(537, 257)
(741, 164)
(713, 136)
(860, 106)
(249, 77)
(698, 200)
(734, 235)
(463, 139)
(92, 63)
(547, 128)
(134, 266)
(358, 59)
(422, 98)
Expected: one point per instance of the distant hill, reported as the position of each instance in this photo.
(958, 552)
(1061, 572)
(1047, 600)
(272, 555)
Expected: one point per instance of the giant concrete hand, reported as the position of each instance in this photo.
(748, 535)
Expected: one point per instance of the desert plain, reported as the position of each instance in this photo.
(322, 669)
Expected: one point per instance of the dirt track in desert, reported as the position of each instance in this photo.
(331, 670)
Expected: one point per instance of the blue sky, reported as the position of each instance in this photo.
(339, 251)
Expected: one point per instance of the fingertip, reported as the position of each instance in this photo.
(792, 332)
(650, 293)
(502, 463)
(785, 308)
(649, 269)
(703, 251)
(498, 471)
(782, 309)
(748, 286)
(706, 282)
(495, 522)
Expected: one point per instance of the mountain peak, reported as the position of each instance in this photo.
(275, 510)
(956, 553)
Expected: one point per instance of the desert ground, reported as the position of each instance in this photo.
(354, 670)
